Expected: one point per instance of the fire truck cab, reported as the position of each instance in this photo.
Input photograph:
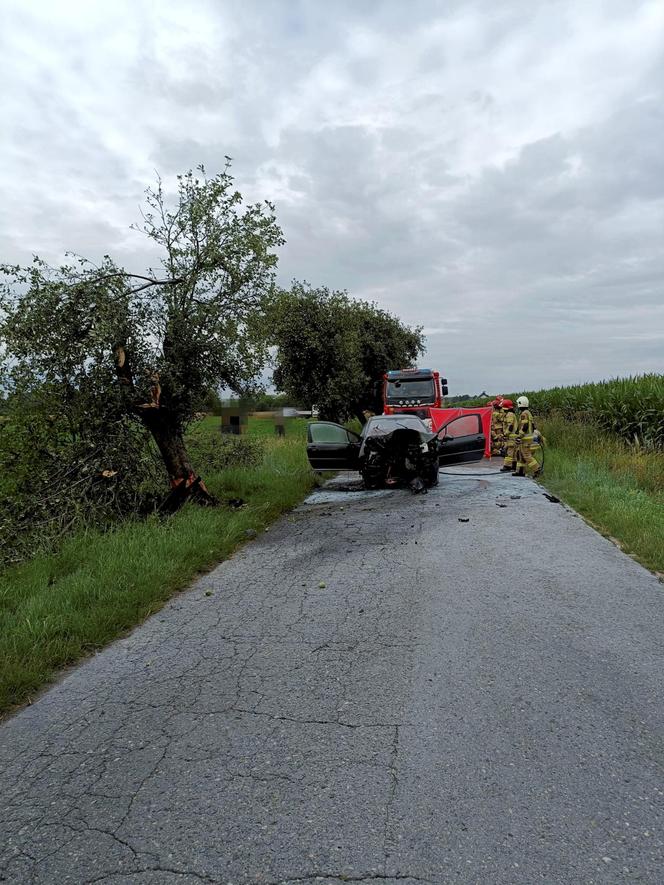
(413, 391)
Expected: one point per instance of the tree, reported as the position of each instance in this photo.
(210, 402)
(110, 344)
(268, 402)
(332, 349)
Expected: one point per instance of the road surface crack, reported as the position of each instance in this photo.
(394, 783)
(345, 877)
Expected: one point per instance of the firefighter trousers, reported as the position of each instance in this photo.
(510, 449)
(496, 440)
(525, 459)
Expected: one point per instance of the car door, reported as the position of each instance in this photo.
(461, 439)
(331, 446)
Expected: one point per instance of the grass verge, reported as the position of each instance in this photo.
(55, 609)
(617, 488)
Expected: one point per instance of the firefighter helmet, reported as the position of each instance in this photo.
(508, 404)
(522, 402)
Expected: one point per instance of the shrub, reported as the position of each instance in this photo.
(53, 481)
(215, 452)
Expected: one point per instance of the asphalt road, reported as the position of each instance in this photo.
(462, 687)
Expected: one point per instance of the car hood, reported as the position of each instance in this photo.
(383, 435)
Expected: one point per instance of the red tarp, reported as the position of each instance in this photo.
(440, 417)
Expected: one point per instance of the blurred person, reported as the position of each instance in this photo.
(510, 426)
(497, 421)
(526, 464)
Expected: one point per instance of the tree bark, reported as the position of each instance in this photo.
(185, 484)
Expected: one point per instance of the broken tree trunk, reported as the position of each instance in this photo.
(167, 434)
(185, 484)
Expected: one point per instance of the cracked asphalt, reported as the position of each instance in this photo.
(373, 690)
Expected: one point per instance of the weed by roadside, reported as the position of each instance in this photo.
(617, 487)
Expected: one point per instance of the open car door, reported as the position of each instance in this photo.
(331, 446)
(461, 439)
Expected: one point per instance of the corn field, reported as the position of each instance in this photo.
(632, 408)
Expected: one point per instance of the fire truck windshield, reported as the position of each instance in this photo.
(415, 388)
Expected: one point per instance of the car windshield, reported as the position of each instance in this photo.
(381, 425)
(411, 389)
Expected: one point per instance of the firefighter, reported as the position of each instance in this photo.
(509, 435)
(525, 460)
(497, 426)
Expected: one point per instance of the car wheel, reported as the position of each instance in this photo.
(431, 476)
(373, 481)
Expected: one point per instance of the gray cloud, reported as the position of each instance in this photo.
(492, 172)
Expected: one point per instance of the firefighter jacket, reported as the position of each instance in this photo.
(526, 423)
(510, 423)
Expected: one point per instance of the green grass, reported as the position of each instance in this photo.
(617, 488)
(261, 424)
(55, 609)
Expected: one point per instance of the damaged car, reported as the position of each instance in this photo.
(395, 449)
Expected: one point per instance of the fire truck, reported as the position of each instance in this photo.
(413, 392)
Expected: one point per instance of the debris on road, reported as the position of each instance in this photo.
(417, 486)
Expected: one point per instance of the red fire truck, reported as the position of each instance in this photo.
(413, 391)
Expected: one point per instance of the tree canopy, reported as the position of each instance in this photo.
(104, 345)
(331, 349)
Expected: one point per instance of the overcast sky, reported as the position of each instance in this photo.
(492, 171)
